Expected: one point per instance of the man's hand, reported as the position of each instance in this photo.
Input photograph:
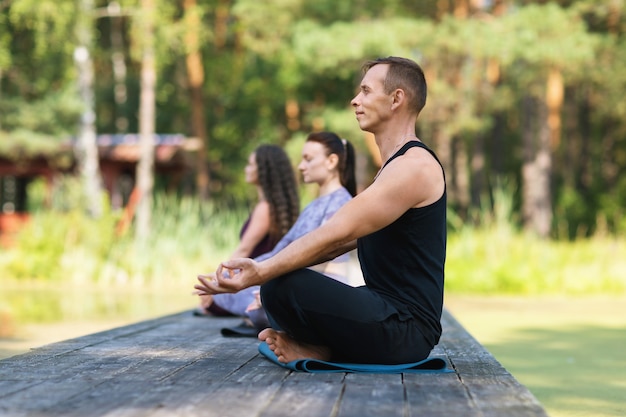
(231, 276)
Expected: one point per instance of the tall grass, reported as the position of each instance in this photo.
(189, 237)
(499, 261)
(497, 258)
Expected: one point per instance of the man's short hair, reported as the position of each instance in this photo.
(406, 75)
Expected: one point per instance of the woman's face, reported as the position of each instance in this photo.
(315, 166)
(251, 170)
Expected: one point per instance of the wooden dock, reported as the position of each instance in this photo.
(180, 365)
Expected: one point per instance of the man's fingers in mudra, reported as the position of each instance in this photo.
(224, 272)
(207, 284)
(224, 277)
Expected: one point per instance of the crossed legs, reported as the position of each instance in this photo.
(314, 316)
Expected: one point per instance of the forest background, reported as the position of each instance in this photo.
(526, 95)
(525, 111)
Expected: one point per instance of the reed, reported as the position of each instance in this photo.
(190, 237)
(187, 237)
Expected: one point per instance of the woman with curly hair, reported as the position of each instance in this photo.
(269, 170)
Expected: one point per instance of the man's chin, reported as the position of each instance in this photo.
(366, 128)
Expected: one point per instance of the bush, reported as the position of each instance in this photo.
(187, 238)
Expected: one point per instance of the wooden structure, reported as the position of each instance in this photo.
(181, 365)
(175, 156)
(16, 172)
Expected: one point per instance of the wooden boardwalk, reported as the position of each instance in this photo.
(180, 365)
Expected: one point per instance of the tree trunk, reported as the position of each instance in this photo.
(537, 167)
(461, 176)
(478, 167)
(195, 72)
(499, 7)
(87, 150)
(568, 158)
(145, 167)
(485, 86)
(542, 219)
(584, 178)
(461, 9)
(119, 67)
(554, 102)
(443, 148)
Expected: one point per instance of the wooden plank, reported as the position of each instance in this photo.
(180, 365)
(438, 395)
(146, 385)
(307, 395)
(373, 395)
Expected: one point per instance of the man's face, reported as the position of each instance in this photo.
(372, 105)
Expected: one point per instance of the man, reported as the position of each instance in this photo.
(399, 226)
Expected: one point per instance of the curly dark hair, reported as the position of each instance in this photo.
(344, 150)
(278, 181)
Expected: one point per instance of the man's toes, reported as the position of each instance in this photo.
(264, 334)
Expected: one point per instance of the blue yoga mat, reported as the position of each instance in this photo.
(428, 365)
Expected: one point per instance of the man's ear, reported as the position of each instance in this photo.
(397, 97)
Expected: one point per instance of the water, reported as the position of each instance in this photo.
(32, 315)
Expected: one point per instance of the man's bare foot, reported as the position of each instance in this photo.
(287, 349)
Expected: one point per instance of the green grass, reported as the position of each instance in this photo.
(569, 351)
(499, 260)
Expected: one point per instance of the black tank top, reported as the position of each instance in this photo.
(404, 262)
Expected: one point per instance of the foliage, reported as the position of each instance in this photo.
(41, 46)
(501, 261)
(65, 245)
(497, 258)
(259, 58)
(548, 34)
(53, 115)
(52, 118)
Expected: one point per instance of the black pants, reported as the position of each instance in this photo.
(353, 322)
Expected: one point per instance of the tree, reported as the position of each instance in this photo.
(87, 149)
(195, 74)
(145, 167)
(526, 90)
(546, 40)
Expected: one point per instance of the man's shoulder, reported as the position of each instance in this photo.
(415, 159)
(416, 175)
